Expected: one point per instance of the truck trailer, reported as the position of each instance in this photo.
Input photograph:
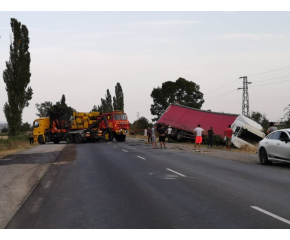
(184, 120)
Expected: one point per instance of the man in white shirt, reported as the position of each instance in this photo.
(169, 130)
(198, 136)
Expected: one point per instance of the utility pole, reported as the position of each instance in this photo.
(245, 103)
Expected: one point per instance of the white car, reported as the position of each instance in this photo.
(275, 147)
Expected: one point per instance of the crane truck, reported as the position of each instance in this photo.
(81, 127)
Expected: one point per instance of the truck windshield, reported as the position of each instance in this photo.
(35, 124)
(120, 116)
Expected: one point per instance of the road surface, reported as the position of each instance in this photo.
(129, 185)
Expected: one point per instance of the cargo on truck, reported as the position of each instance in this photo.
(183, 120)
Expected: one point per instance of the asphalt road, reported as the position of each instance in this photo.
(130, 185)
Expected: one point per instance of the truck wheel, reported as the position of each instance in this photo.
(56, 141)
(41, 140)
(180, 135)
(111, 136)
(78, 138)
(174, 132)
(69, 138)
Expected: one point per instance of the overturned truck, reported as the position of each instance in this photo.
(184, 120)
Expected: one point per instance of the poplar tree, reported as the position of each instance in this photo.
(109, 105)
(118, 100)
(16, 76)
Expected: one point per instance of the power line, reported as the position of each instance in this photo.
(270, 83)
(221, 87)
(221, 94)
(271, 79)
(268, 72)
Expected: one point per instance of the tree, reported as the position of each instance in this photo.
(25, 127)
(256, 116)
(4, 130)
(141, 123)
(118, 100)
(96, 109)
(181, 91)
(287, 116)
(68, 111)
(264, 122)
(109, 105)
(16, 76)
(43, 108)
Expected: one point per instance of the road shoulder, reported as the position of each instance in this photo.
(20, 173)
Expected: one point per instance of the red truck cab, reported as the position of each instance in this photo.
(118, 123)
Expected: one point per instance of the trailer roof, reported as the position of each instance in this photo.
(187, 119)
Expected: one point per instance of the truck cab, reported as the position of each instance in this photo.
(246, 131)
(40, 126)
(118, 123)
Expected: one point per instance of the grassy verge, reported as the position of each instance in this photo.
(13, 144)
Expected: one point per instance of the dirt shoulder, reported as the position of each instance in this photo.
(20, 173)
(219, 152)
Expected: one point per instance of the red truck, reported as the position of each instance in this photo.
(184, 120)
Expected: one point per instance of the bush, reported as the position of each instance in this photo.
(216, 140)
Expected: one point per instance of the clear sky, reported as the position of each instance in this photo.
(82, 54)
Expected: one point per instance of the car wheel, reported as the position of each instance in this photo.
(263, 155)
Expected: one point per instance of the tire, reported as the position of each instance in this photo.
(78, 138)
(69, 138)
(263, 155)
(56, 141)
(174, 132)
(180, 135)
(41, 140)
(111, 136)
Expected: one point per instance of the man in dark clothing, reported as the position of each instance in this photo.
(31, 139)
(162, 132)
(210, 135)
(149, 134)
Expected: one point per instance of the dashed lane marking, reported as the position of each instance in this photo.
(141, 157)
(175, 172)
(271, 214)
(124, 150)
(115, 146)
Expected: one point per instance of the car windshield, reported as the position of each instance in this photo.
(36, 124)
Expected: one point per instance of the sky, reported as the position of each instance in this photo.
(82, 54)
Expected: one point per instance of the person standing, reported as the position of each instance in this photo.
(272, 128)
(228, 133)
(198, 136)
(153, 137)
(149, 133)
(210, 136)
(162, 133)
(169, 130)
(31, 138)
(145, 133)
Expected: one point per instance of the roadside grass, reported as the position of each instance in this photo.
(13, 145)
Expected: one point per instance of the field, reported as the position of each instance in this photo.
(13, 145)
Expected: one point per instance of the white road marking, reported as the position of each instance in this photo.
(271, 214)
(141, 157)
(175, 172)
(124, 150)
(48, 184)
(115, 146)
